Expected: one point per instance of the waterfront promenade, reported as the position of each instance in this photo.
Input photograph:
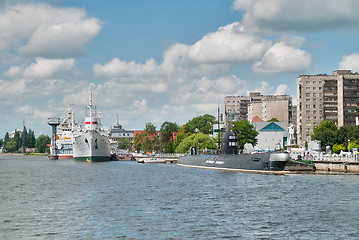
(344, 163)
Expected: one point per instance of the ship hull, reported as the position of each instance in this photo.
(91, 146)
(261, 162)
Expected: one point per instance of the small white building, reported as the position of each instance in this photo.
(270, 135)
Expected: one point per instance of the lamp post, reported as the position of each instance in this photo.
(349, 145)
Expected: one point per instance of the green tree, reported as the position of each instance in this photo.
(147, 140)
(342, 135)
(337, 148)
(204, 124)
(6, 141)
(17, 139)
(31, 139)
(137, 142)
(41, 143)
(167, 129)
(24, 139)
(354, 144)
(273, 120)
(11, 146)
(150, 128)
(169, 147)
(124, 143)
(150, 142)
(326, 132)
(199, 140)
(353, 133)
(182, 133)
(246, 133)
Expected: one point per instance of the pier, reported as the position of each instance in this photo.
(335, 163)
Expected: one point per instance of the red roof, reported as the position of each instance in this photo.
(256, 119)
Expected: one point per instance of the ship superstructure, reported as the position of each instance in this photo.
(91, 144)
(64, 134)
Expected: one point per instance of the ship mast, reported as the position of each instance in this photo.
(92, 120)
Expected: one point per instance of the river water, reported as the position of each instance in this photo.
(63, 199)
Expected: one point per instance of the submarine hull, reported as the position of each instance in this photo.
(270, 161)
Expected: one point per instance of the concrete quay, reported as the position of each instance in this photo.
(335, 163)
(337, 166)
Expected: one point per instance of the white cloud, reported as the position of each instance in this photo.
(159, 88)
(281, 89)
(42, 68)
(14, 71)
(264, 88)
(45, 68)
(38, 29)
(304, 15)
(228, 45)
(33, 113)
(118, 68)
(282, 58)
(350, 62)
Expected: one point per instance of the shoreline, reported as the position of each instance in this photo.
(23, 154)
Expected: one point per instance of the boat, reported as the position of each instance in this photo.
(229, 159)
(64, 135)
(91, 144)
(151, 160)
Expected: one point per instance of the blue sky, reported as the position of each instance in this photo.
(155, 61)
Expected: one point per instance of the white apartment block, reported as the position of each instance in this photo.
(326, 97)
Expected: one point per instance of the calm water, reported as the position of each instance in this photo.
(44, 199)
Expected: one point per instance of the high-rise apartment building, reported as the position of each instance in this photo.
(326, 97)
(256, 105)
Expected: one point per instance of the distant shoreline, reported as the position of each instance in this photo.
(22, 154)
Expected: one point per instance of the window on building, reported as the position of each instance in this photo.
(307, 106)
(307, 88)
(307, 94)
(314, 88)
(320, 94)
(313, 82)
(314, 106)
(314, 95)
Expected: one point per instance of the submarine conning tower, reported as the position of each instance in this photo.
(229, 143)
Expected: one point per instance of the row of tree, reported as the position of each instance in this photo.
(339, 139)
(175, 139)
(24, 140)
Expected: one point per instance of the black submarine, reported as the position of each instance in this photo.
(230, 159)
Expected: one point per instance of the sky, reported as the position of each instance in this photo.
(159, 60)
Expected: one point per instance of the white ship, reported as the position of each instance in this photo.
(91, 144)
(64, 135)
